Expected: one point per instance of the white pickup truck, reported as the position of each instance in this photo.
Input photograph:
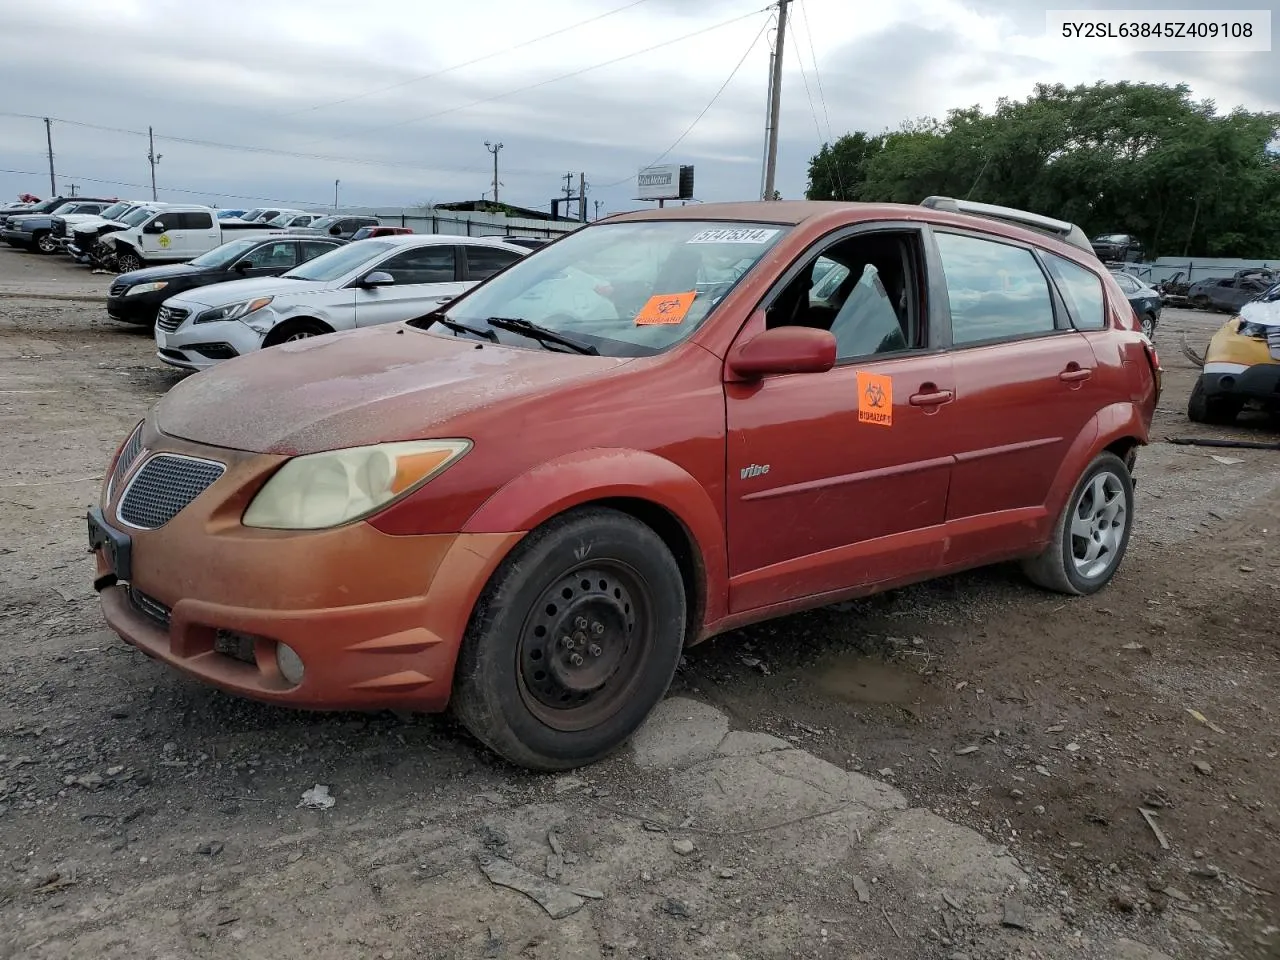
(174, 234)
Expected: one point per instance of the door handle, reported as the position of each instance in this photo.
(1075, 373)
(930, 396)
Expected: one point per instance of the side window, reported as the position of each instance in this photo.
(484, 262)
(311, 249)
(864, 290)
(1081, 289)
(192, 221)
(421, 265)
(281, 254)
(996, 291)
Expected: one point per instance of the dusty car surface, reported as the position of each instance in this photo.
(527, 503)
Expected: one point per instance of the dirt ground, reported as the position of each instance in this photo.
(144, 816)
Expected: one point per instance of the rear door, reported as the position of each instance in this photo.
(424, 278)
(481, 263)
(310, 249)
(189, 235)
(273, 258)
(1025, 390)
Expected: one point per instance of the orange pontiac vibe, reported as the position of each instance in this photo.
(661, 427)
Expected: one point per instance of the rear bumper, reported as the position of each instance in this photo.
(1260, 382)
(375, 619)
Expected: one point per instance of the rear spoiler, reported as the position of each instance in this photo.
(1061, 229)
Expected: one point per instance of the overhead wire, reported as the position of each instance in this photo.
(813, 53)
(710, 103)
(468, 63)
(146, 186)
(833, 168)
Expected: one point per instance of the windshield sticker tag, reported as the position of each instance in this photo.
(665, 308)
(734, 235)
(875, 399)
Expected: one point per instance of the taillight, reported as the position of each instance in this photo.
(1154, 359)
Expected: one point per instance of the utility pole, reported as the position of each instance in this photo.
(152, 158)
(335, 195)
(599, 204)
(48, 136)
(582, 197)
(775, 96)
(72, 188)
(494, 148)
(568, 186)
(768, 121)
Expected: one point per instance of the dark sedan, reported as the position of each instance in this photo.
(135, 297)
(1229, 294)
(1145, 301)
(1117, 248)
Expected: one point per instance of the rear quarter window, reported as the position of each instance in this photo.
(1081, 290)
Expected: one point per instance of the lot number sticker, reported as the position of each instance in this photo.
(875, 399)
(665, 308)
(734, 235)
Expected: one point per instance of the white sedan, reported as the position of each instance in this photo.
(382, 280)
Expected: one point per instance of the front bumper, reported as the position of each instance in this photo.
(141, 309)
(375, 619)
(198, 346)
(17, 238)
(1259, 382)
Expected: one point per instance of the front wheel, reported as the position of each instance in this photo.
(46, 242)
(1092, 534)
(128, 260)
(574, 641)
(1217, 411)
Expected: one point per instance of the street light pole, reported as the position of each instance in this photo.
(494, 148)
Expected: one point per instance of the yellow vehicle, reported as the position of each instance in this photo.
(1242, 364)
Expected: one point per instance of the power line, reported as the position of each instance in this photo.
(469, 63)
(565, 76)
(813, 53)
(143, 186)
(710, 104)
(832, 166)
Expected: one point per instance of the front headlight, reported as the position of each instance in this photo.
(232, 311)
(146, 288)
(1258, 331)
(328, 489)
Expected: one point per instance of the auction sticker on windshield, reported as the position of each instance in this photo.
(665, 308)
(734, 235)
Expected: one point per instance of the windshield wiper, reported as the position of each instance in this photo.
(458, 327)
(541, 334)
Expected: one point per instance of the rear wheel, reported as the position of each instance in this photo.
(1092, 534)
(1218, 411)
(574, 641)
(1148, 323)
(46, 242)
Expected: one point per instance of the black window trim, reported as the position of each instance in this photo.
(926, 311)
(1061, 318)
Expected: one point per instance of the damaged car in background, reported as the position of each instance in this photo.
(1241, 365)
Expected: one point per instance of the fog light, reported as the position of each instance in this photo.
(290, 664)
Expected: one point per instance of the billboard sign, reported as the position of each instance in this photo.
(670, 181)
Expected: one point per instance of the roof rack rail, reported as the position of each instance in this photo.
(1064, 231)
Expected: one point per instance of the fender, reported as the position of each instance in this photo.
(1117, 421)
(609, 472)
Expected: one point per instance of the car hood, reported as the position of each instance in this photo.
(233, 291)
(163, 272)
(360, 387)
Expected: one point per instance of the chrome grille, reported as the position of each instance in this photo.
(132, 447)
(170, 318)
(163, 486)
(149, 607)
(1273, 342)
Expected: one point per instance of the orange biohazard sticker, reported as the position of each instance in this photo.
(665, 308)
(875, 399)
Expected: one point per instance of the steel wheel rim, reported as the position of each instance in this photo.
(581, 643)
(299, 335)
(1098, 522)
(1148, 327)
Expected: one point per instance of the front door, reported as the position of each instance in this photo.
(839, 479)
(425, 277)
(1023, 380)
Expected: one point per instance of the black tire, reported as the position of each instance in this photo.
(45, 242)
(1217, 411)
(1058, 567)
(128, 260)
(1149, 322)
(302, 329)
(593, 582)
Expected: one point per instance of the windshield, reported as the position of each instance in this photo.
(138, 217)
(324, 223)
(628, 289)
(1112, 238)
(227, 253)
(252, 214)
(114, 211)
(65, 208)
(338, 263)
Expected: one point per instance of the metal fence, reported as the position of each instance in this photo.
(1193, 270)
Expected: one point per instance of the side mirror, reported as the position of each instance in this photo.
(243, 265)
(155, 226)
(335, 230)
(380, 278)
(784, 350)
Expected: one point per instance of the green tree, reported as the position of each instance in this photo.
(1135, 158)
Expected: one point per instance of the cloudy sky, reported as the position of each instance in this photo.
(396, 98)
